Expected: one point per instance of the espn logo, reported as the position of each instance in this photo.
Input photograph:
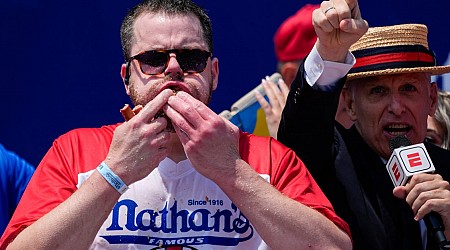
(407, 161)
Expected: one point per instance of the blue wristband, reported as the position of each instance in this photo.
(112, 178)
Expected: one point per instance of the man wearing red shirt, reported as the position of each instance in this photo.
(202, 185)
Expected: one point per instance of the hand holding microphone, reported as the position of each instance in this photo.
(408, 160)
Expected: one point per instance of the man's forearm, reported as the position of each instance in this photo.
(282, 222)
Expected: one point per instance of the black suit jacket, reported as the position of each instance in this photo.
(349, 172)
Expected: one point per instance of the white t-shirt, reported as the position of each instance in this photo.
(177, 199)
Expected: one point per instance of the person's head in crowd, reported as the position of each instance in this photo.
(293, 40)
(392, 95)
(439, 124)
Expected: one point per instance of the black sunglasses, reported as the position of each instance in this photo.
(154, 62)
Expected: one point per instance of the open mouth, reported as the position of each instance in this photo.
(175, 87)
(397, 129)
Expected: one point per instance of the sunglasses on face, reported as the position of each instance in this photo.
(154, 62)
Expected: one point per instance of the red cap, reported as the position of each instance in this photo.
(295, 37)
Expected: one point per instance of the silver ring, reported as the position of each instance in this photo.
(328, 9)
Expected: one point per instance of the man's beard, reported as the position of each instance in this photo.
(143, 99)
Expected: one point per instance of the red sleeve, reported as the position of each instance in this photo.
(56, 177)
(288, 174)
(51, 184)
(293, 179)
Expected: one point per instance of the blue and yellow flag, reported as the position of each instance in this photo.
(247, 114)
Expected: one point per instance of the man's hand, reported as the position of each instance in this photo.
(426, 193)
(140, 144)
(277, 100)
(338, 25)
(210, 141)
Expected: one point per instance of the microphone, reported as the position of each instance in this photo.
(407, 160)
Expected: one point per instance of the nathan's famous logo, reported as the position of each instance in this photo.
(170, 220)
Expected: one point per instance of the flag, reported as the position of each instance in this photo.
(247, 114)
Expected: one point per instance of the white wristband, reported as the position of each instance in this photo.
(112, 178)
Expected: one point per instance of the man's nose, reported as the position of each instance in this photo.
(173, 67)
(396, 104)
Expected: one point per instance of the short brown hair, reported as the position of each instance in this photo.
(171, 7)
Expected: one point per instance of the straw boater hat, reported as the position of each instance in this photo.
(394, 50)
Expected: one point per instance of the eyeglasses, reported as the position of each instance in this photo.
(154, 62)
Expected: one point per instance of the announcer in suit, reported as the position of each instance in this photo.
(389, 93)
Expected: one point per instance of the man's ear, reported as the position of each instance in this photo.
(215, 72)
(289, 72)
(125, 74)
(434, 98)
(349, 102)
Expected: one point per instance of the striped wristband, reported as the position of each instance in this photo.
(112, 178)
